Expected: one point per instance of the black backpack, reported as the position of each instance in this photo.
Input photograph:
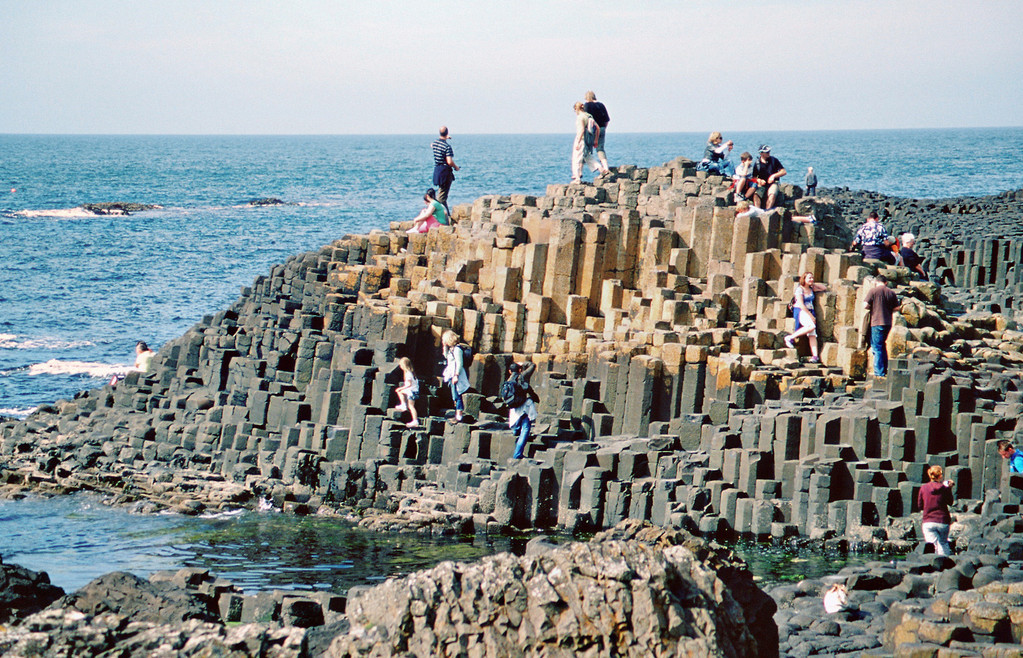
(512, 393)
(466, 356)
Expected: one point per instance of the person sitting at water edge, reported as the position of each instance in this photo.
(715, 156)
(433, 214)
(766, 172)
(143, 356)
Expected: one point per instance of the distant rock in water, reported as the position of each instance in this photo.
(117, 208)
(268, 201)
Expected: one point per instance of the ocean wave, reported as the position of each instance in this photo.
(17, 413)
(81, 212)
(15, 342)
(58, 367)
(223, 515)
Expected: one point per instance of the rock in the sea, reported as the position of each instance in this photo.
(633, 591)
(117, 208)
(267, 201)
(23, 592)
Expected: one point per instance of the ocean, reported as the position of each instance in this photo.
(78, 289)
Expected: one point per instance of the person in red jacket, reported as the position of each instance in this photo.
(934, 499)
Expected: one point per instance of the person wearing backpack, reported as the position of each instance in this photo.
(454, 371)
(587, 133)
(515, 392)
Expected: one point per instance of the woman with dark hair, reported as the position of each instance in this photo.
(934, 499)
(432, 215)
(805, 314)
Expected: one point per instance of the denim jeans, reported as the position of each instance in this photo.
(459, 405)
(878, 335)
(523, 426)
(937, 534)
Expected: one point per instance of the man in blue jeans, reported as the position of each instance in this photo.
(880, 302)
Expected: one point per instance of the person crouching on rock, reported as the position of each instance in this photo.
(408, 392)
(516, 394)
(432, 215)
(804, 313)
(454, 371)
(934, 499)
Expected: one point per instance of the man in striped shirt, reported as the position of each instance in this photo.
(443, 166)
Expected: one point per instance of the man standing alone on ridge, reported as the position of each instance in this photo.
(443, 164)
(597, 110)
(880, 302)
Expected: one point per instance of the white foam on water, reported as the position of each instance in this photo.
(58, 213)
(222, 515)
(58, 367)
(15, 412)
(14, 342)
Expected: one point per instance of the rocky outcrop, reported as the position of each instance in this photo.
(636, 590)
(23, 592)
(266, 201)
(612, 596)
(117, 208)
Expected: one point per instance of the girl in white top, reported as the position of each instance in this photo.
(454, 371)
(408, 392)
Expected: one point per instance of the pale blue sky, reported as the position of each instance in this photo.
(316, 66)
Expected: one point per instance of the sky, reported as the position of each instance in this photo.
(480, 66)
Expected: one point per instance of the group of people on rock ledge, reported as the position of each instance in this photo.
(754, 181)
(517, 394)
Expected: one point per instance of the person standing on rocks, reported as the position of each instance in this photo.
(454, 371)
(874, 239)
(443, 166)
(596, 109)
(515, 392)
(811, 182)
(1015, 457)
(880, 303)
(766, 172)
(587, 133)
(804, 313)
(408, 392)
(934, 499)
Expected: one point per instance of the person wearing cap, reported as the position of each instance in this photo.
(443, 166)
(873, 238)
(433, 214)
(596, 109)
(766, 172)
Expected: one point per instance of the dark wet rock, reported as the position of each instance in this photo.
(267, 201)
(117, 208)
(23, 592)
(137, 599)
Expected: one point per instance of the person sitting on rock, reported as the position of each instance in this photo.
(873, 238)
(934, 499)
(516, 394)
(744, 208)
(454, 371)
(805, 314)
(766, 172)
(715, 156)
(143, 357)
(910, 258)
(742, 181)
(431, 216)
(1015, 457)
(408, 392)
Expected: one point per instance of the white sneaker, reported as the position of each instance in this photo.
(401, 407)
